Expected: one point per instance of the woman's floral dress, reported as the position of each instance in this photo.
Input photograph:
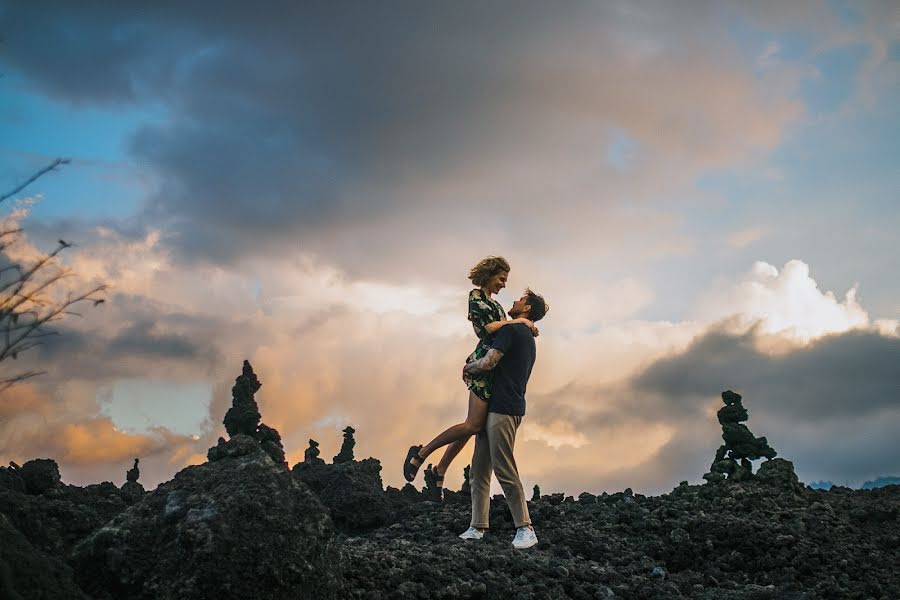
(483, 310)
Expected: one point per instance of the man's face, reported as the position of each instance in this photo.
(520, 308)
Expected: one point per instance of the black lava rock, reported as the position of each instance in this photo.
(352, 491)
(240, 527)
(40, 475)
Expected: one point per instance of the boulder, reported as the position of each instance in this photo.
(28, 573)
(239, 527)
(352, 491)
(11, 480)
(779, 472)
(40, 476)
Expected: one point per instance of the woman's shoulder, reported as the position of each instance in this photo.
(476, 294)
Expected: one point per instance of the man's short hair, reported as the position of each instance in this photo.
(539, 306)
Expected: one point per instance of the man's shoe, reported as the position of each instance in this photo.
(525, 538)
(471, 534)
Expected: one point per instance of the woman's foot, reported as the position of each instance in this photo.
(412, 463)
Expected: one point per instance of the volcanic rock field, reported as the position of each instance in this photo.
(245, 525)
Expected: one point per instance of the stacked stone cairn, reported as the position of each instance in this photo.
(431, 491)
(466, 486)
(346, 453)
(733, 458)
(243, 419)
(131, 487)
(311, 454)
(536, 494)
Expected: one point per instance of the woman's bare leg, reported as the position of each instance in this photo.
(460, 432)
(453, 448)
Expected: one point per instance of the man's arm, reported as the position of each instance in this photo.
(484, 364)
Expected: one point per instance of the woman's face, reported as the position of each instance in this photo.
(497, 282)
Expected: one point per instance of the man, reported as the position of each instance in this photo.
(511, 358)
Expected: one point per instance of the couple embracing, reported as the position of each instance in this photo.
(496, 374)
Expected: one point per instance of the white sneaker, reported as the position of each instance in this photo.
(525, 538)
(471, 534)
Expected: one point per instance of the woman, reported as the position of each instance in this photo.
(487, 316)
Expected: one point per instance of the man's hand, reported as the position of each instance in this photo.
(484, 364)
(466, 377)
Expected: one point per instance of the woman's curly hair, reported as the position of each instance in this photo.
(486, 268)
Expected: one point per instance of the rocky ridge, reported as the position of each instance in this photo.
(243, 525)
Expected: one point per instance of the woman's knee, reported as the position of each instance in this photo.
(474, 426)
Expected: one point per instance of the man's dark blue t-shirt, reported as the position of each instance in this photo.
(511, 374)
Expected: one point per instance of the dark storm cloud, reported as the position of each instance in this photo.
(830, 407)
(300, 124)
(144, 336)
(838, 376)
(274, 115)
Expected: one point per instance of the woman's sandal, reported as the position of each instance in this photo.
(409, 469)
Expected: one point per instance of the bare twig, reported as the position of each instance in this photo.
(11, 381)
(33, 178)
(24, 309)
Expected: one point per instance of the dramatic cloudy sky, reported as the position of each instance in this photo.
(705, 192)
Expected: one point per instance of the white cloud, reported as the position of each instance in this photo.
(786, 303)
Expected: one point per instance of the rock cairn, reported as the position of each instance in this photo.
(243, 419)
(133, 473)
(432, 491)
(346, 453)
(536, 493)
(311, 454)
(740, 443)
(466, 486)
(132, 488)
(351, 489)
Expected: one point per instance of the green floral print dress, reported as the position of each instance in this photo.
(483, 310)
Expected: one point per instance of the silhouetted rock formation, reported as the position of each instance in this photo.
(740, 443)
(311, 454)
(779, 472)
(10, 478)
(270, 440)
(242, 526)
(346, 453)
(242, 419)
(536, 493)
(40, 475)
(432, 491)
(239, 527)
(243, 416)
(466, 484)
(351, 490)
(132, 488)
(134, 473)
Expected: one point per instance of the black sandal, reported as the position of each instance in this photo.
(409, 469)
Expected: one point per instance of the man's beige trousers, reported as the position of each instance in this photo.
(494, 452)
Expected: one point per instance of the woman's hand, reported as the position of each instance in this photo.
(529, 323)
